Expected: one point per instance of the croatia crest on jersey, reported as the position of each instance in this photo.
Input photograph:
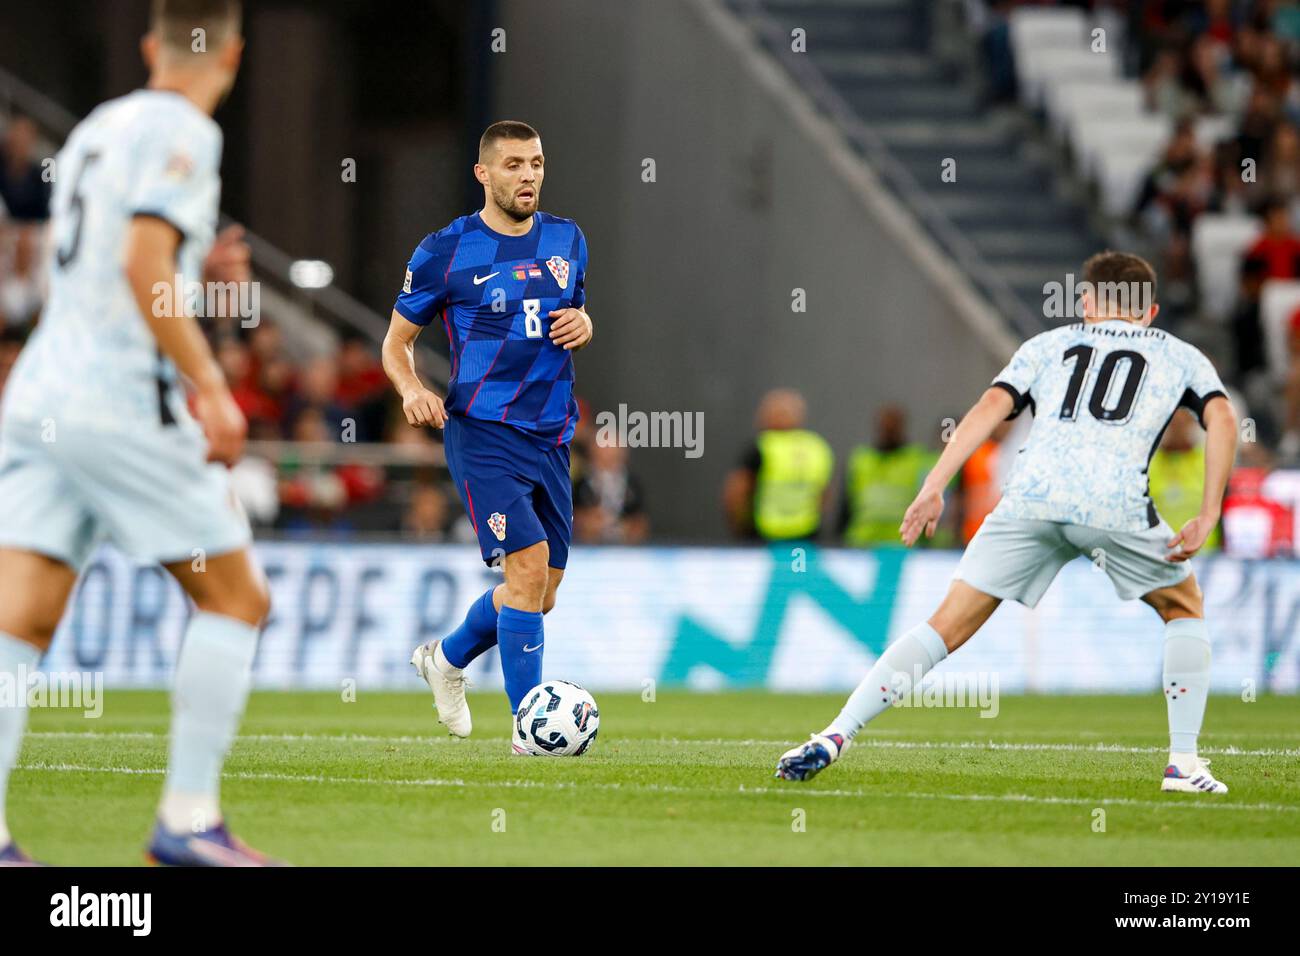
(559, 267)
(497, 522)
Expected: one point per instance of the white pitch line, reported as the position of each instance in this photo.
(871, 742)
(1205, 804)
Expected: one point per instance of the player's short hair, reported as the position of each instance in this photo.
(174, 22)
(503, 130)
(1132, 275)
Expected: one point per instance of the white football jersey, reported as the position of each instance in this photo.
(92, 357)
(1102, 395)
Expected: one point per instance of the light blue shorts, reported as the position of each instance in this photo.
(1017, 559)
(148, 490)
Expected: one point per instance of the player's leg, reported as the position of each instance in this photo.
(1186, 683)
(210, 691)
(553, 578)
(520, 633)
(1007, 560)
(34, 590)
(1138, 566)
(896, 671)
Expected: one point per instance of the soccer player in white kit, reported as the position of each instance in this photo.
(96, 441)
(1102, 392)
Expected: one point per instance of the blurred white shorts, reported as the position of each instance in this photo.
(1017, 559)
(148, 490)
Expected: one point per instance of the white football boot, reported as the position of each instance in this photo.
(809, 759)
(448, 691)
(1198, 780)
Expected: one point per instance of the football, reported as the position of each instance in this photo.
(557, 718)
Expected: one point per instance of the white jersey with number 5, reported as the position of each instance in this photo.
(92, 357)
(1102, 395)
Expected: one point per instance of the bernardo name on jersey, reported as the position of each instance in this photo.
(1102, 395)
(493, 293)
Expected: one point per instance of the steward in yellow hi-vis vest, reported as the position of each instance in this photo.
(880, 482)
(879, 487)
(795, 467)
(1176, 476)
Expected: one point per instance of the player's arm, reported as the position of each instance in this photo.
(1220, 420)
(975, 428)
(150, 265)
(419, 404)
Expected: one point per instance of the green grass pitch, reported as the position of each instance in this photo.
(686, 779)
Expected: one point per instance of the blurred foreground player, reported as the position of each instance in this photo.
(1102, 392)
(507, 283)
(97, 440)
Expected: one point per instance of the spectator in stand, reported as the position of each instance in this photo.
(318, 386)
(779, 490)
(363, 387)
(316, 494)
(608, 502)
(427, 514)
(1176, 474)
(23, 189)
(1180, 154)
(880, 482)
(1290, 444)
(22, 286)
(1279, 174)
(236, 363)
(1274, 255)
(11, 343)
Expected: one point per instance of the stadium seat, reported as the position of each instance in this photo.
(1219, 241)
(1074, 101)
(1119, 180)
(1037, 28)
(1278, 301)
(1096, 141)
(1042, 67)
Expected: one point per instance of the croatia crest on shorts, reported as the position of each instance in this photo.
(560, 269)
(497, 522)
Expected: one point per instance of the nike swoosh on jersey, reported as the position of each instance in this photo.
(478, 281)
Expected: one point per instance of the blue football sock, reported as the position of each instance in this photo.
(519, 636)
(476, 634)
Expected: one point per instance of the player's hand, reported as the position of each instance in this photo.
(922, 515)
(423, 407)
(229, 259)
(570, 328)
(1192, 537)
(223, 424)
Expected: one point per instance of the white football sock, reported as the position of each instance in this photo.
(1186, 686)
(896, 670)
(212, 680)
(17, 658)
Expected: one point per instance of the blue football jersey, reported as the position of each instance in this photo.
(494, 294)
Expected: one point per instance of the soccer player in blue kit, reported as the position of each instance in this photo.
(507, 285)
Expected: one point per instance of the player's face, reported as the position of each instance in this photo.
(514, 176)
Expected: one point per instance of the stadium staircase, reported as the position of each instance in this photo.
(901, 79)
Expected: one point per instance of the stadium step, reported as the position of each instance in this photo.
(1007, 200)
